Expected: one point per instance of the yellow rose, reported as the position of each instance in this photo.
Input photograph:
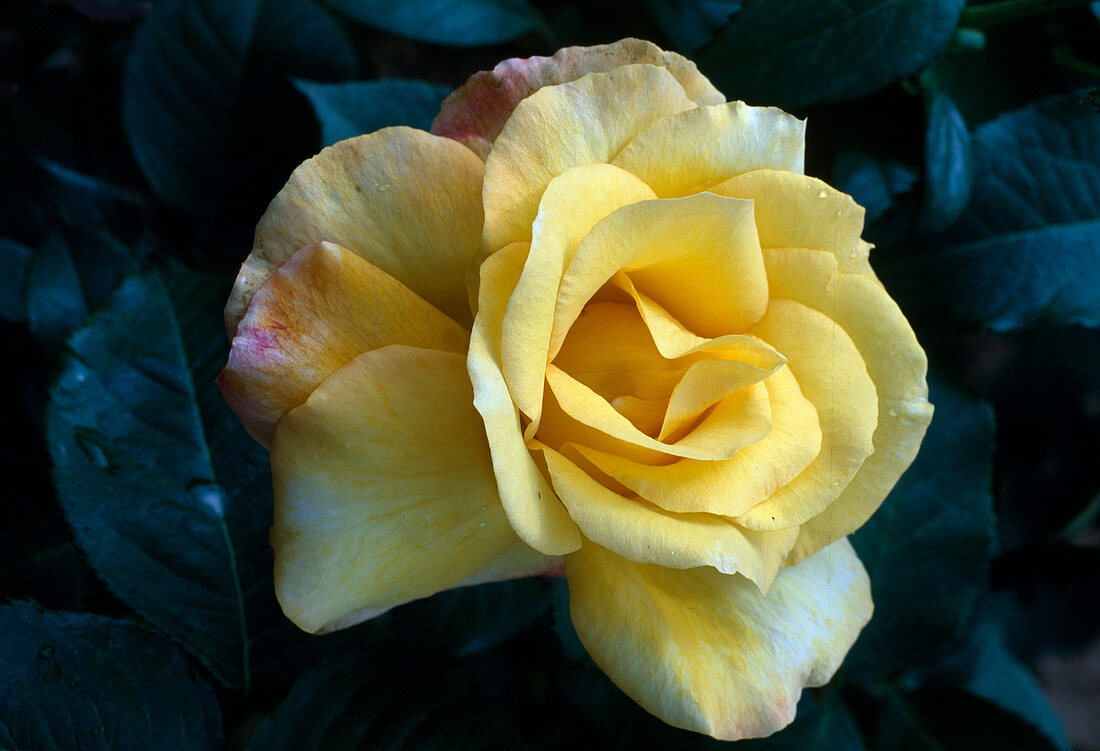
(621, 335)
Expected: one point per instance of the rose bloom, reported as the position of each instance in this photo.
(596, 323)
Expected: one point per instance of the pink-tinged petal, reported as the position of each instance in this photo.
(477, 111)
(406, 201)
(586, 121)
(384, 489)
(320, 309)
(533, 509)
(705, 651)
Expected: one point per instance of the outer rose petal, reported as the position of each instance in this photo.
(320, 309)
(534, 511)
(384, 489)
(477, 111)
(706, 651)
(690, 151)
(896, 364)
(408, 202)
(586, 121)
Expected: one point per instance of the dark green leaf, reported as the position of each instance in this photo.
(75, 681)
(55, 301)
(691, 24)
(927, 549)
(791, 53)
(948, 168)
(298, 35)
(467, 620)
(998, 676)
(166, 493)
(464, 23)
(824, 725)
(1026, 251)
(350, 109)
(15, 259)
(872, 182)
(360, 700)
(945, 718)
(178, 92)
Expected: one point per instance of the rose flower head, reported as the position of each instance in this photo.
(597, 323)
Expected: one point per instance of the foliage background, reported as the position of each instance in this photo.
(140, 142)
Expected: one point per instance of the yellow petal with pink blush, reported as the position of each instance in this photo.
(406, 201)
(703, 650)
(319, 310)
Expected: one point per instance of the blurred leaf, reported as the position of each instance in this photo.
(1026, 251)
(357, 700)
(463, 23)
(165, 491)
(873, 182)
(112, 10)
(944, 718)
(75, 681)
(927, 548)
(791, 53)
(999, 677)
(468, 620)
(345, 110)
(948, 167)
(15, 259)
(55, 301)
(692, 23)
(83, 201)
(299, 36)
(824, 725)
(178, 92)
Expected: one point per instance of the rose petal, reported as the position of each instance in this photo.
(481, 106)
(406, 201)
(733, 486)
(705, 651)
(698, 257)
(586, 121)
(384, 488)
(320, 309)
(572, 204)
(795, 211)
(832, 376)
(643, 533)
(690, 151)
(896, 364)
(533, 509)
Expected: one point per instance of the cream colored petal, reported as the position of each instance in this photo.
(733, 486)
(644, 533)
(832, 376)
(320, 309)
(533, 510)
(572, 204)
(406, 201)
(482, 105)
(697, 257)
(740, 419)
(705, 651)
(586, 121)
(384, 488)
(896, 364)
(795, 211)
(690, 151)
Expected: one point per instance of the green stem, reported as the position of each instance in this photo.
(1005, 11)
(1064, 57)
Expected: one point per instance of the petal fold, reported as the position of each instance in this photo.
(705, 651)
(406, 201)
(320, 309)
(384, 488)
